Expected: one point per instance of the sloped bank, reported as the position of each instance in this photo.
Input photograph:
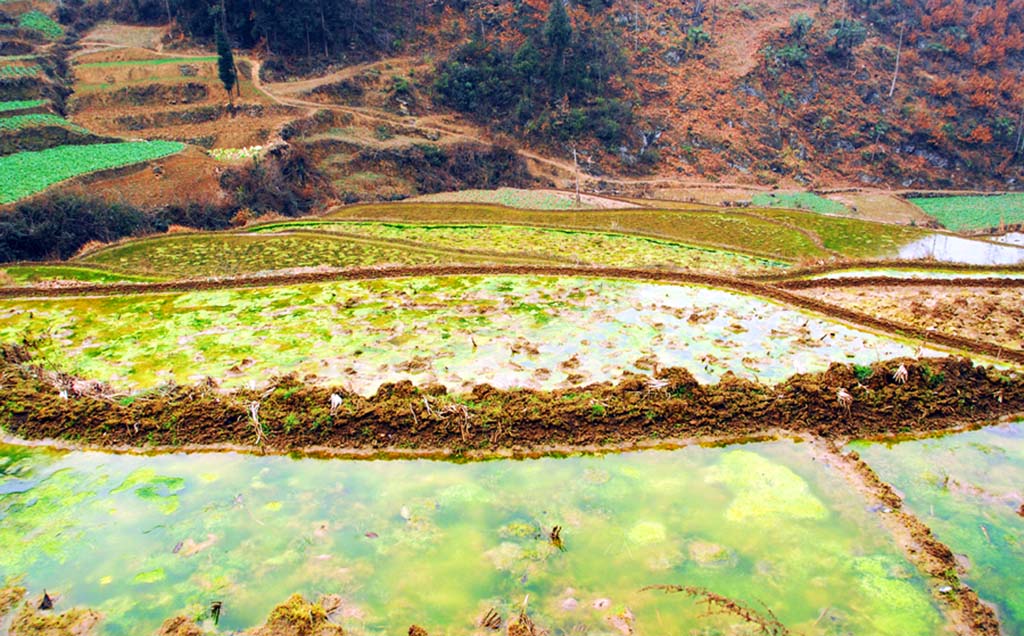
(402, 420)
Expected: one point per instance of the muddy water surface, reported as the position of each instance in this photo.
(438, 544)
(969, 488)
(508, 331)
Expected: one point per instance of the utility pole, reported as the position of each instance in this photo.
(576, 164)
(899, 51)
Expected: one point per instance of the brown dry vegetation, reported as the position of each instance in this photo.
(188, 177)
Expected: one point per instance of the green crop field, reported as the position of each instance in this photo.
(15, 71)
(733, 231)
(974, 212)
(546, 245)
(26, 173)
(9, 107)
(39, 21)
(799, 201)
(21, 122)
(156, 62)
(232, 254)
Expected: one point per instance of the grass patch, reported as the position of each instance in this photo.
(974, 212)
(27, 173)
(799, 201)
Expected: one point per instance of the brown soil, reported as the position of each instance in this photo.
(967, 613)
(298, 617)
(146, 186)
(180, 626)
(987, 313)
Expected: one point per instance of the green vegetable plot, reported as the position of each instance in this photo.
(39, 21)
(974, 212)
(156, 62)
(27, 173)
(15, 71)
(21, 122)
(7, 107)
(799, 201)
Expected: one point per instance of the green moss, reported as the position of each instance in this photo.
(646, 533)
(764, 490)
(151, 576)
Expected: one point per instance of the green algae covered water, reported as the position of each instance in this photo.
(969, 488)
(508, 331)
(141, 539)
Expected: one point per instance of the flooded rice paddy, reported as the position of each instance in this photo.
(144, 538)
(969, 488)
(947, 248)
(509, 331)
(926, 274)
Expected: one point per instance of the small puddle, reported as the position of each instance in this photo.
(969, 488)
(144, 538)
(954, 249)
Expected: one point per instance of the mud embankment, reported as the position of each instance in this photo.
(937, 395)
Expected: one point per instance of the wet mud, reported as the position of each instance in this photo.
(843, 402)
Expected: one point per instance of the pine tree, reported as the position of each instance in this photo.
(558, 33)
(226, 63)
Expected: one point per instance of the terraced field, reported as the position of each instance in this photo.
(733, 231)
(799, 201)
(27, 173)
(965, 213)
(545, 245)
(525, 199)
(988, 314)
(225, 254)
(509, 331)
(35, 274)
